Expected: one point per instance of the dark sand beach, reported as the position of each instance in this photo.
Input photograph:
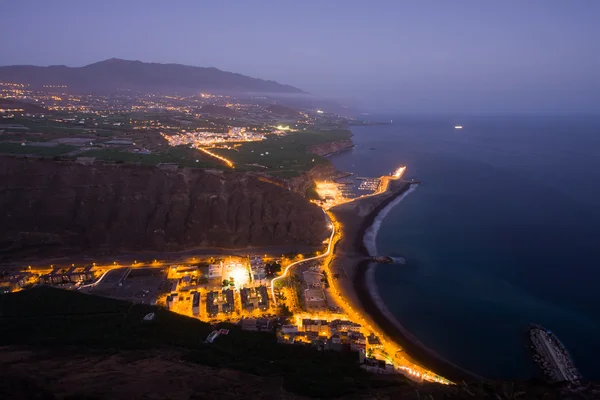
(352, 264)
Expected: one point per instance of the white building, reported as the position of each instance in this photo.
(215, 271)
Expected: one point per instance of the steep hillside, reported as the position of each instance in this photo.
(63, 205)
(123, 74)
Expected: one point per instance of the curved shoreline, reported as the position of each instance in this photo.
(367, 295)
(370, 235)
(368, 221)
(366, 290)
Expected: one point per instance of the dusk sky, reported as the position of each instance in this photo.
(447, 55)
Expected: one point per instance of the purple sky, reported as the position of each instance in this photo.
(447, 55)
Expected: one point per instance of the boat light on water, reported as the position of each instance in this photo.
(457, 126)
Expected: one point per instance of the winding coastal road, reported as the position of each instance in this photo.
(287, 269)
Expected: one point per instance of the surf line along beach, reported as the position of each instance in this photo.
(352, 265)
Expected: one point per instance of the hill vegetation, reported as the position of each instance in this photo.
(284, 156)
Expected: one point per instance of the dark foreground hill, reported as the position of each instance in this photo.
(114, 74)
(59, 344)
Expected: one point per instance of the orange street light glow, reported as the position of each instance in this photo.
(218, 157)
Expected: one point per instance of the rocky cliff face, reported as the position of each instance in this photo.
(325, 149)
(76, 207)
(321, 172)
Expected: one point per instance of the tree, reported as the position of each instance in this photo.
(273, 268)
(225, 282)
(284, 311)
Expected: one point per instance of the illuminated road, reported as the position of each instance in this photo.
(105, 274)
(285, 272)
(218, 157)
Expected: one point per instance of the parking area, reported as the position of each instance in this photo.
(140, 285)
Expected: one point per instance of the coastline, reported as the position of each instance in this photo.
(339, 151)
(370, 232)
(359, 289)
(366, 290)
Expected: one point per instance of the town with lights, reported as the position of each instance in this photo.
(297, 295)
(153, 129)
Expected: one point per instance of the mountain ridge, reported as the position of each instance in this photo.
(115, 73)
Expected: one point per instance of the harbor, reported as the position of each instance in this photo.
(552, 357)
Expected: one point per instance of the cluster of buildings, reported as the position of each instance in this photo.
(340, 335)
(224, 280)
(58, 276)
(220, 302)
(72, 275)
(314, 296)
(206, 138)
(15, 281)
(254, 298)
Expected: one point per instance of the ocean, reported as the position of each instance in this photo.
(502, 231)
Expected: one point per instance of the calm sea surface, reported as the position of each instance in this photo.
(503, 231)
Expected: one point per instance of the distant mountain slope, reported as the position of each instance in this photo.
(123, 74)
(283, 110)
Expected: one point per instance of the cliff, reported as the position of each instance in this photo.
(72, 207)
(329, 148)
(301, 184)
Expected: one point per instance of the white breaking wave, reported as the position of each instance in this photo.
(370, 237)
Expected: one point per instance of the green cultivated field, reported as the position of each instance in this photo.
(287, 155)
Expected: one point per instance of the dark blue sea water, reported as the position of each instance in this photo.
(503, 231)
